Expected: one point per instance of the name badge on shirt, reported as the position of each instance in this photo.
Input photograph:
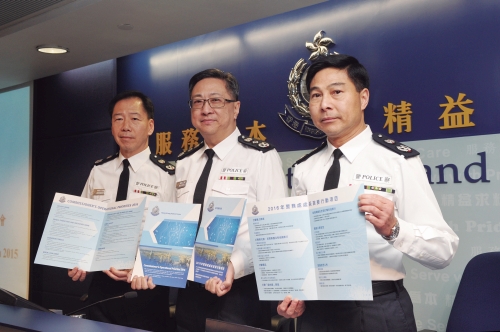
(97, 192)
(234, 170)
(144, 192)
(373, 177)
(180, 184)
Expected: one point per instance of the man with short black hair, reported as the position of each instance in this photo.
(256, 167)
(226, 164)
(402, 214)
(133, 172)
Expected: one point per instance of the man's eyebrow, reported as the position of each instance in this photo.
(131, 113)
(328, 86)
(211, 94)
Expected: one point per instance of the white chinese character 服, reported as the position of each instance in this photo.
(476, 251)
(472, 149)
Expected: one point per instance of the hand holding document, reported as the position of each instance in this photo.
(91, 235)
(166, 249)
(311, 247)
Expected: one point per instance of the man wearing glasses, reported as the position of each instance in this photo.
(256, 168)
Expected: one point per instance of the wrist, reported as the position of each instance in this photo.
(394, 233)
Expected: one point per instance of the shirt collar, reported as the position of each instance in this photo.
(223, 148)
(351, 149)
(137, 160)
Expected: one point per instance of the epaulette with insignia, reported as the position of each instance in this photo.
(105, 160)
(163, 164)
(255, 143)
(313, 152)
(189, 152)
(395, 146)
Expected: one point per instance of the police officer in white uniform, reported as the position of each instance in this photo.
(238, 167)
(402, 214)
(132, 122)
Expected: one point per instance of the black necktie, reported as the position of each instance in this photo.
(333, 175)
(201, 186)
(121, 193)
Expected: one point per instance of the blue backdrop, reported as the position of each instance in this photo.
(415, 51)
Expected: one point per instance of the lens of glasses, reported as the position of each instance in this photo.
(213, 102)
(216, 102)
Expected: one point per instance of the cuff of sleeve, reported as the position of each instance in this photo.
(406, 236)
(238, 260)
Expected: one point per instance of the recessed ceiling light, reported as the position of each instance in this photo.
(52, 49)
(125, 26)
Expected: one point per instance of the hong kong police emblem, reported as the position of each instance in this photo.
(155, 211)
(211, 207)
(299, 120)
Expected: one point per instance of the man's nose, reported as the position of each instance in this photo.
(126, 125)
(326, 102)
(206, 109)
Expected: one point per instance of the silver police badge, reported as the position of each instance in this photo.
(300, 120)
(403, 148)
(263, 144)
(155, 211)
(210, 207)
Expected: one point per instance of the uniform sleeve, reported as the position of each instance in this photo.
(87, 190)
(271, 184)
(424, 235)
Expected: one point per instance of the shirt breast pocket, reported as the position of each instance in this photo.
(231, 188)
(102, 198)
(182, 194)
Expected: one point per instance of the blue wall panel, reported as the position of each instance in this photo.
(414, 51)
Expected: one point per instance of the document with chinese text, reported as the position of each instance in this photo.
(311, 247)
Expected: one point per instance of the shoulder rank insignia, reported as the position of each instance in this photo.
(163, 164)
(189, 152)
(255, 143)
(395, 146)
(313, 152)
(105, 160)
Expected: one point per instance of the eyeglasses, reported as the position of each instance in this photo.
(213, 102)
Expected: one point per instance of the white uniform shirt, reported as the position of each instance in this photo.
(264, 179)
(424, 235)
(146, 180)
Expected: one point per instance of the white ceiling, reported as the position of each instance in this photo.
(89, 28)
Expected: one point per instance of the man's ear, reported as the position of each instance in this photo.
(236, 109)
(364, 97)
(151, 124)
